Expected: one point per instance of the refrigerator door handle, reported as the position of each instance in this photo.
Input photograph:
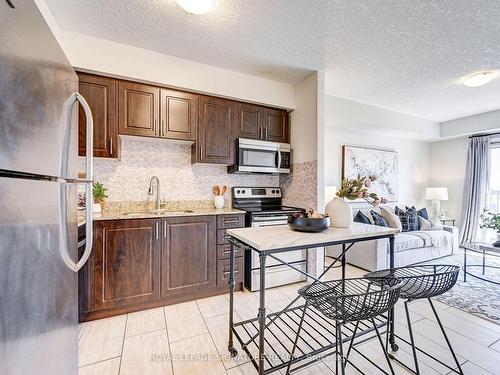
(89, 174)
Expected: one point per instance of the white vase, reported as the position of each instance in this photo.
(219, 202)
(340, 212)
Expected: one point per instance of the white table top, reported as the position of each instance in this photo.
(281, 236)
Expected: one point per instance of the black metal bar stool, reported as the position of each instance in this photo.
(419, 282)
(350, 300)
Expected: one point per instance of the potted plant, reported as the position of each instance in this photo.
(99, 193)
(489, 220)
(351, 189)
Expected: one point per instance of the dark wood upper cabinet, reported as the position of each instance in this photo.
(275, 124)
(257, 122)
(216, 136)
(178, 115)
(138, 109)
(249, 121)
(188, 255)
(126, 268)
(100, 93)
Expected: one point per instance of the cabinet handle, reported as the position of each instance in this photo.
(157, 230)
(165, 229)
(162, 127)
(266, 132)
(228, 272)
(261, 133)
(237, 251)
(235, 221)
(111, 146)
(201, 152)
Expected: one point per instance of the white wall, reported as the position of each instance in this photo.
(447, 168)
(347, 114)
(351, 123)
(120, 60)
(481, 123)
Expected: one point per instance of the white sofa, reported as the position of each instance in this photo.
(409, 248)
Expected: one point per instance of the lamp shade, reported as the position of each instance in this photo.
(436, 193)
(330, 193)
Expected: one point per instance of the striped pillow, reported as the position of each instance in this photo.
(408, 217)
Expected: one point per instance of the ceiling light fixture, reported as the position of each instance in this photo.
(196, 6)
(478, 79)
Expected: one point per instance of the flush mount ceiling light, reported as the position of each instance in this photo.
(196, 6)
(478, 79)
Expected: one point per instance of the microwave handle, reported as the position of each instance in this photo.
(279, 159)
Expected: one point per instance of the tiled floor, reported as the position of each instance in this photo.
(190, 338)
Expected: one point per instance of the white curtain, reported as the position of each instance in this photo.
(476, 187)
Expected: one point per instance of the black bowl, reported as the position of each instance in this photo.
(302, 224)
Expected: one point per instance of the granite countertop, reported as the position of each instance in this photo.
(125, 215)
(281, 236)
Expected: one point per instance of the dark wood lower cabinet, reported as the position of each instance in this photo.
(189, 253)
(138, 264)
(126, 262)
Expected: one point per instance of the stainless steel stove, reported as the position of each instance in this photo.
(263, 207)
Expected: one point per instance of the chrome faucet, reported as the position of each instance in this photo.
(150, 191)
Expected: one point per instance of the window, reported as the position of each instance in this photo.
(495, 178)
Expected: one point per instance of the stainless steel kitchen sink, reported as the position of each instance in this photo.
(157, 212)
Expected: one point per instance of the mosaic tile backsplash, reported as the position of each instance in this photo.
(300, 187)
(127, 179)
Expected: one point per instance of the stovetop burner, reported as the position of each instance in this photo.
(261, 201)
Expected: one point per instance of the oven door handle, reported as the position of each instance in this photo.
(279, 159)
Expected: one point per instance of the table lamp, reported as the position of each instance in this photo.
(436, 194)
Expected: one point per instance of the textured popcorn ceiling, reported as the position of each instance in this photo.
(396, 54)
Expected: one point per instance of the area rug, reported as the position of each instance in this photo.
(474, 296)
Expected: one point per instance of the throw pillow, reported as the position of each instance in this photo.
(423, 213)
(379, 219)
(391, 218)
(361, 218)
(409, 218)
(429, 224)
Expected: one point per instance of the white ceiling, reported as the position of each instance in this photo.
(404, 55)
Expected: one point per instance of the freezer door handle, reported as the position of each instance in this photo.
(63, 198)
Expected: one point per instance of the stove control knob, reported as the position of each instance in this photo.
(277, 191)
(237, 191)
(272, 191)
(243, 191)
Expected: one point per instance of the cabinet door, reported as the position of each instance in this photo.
(126, 262)
(138, 109)
(249, 123)
(188, 257)
(100, 93)
(215, 139)
(276, 125)
(178, 115)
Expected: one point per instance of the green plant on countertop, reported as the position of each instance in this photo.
(99, 192)
(490, 220)
(357, 188)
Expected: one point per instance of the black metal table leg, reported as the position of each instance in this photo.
(484, 260)
(465, 264)
(232, 284)
(343, 261)
(392, 339)
(262, 310)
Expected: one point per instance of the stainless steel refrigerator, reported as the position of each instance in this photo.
(38, 204)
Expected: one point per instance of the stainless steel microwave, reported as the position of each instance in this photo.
(253, 156)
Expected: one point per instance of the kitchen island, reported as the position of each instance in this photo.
(268, 339)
